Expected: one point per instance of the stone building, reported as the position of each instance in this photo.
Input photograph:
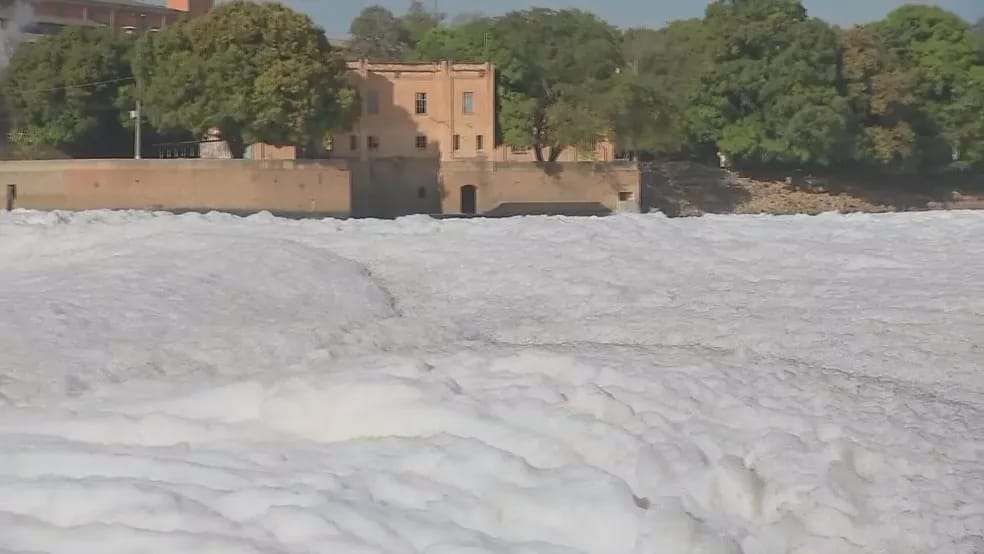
(47, 17)
(426, 143)
(442, 110)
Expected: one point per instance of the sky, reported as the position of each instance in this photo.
(335, 15)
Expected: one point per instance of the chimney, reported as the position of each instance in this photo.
(194, 8)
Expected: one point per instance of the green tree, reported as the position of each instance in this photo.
(465, 42)
(378, 34)
(938, 52)
(67, 92)
(968, 133)
(555, 68)
(770, 93)
(639, 114)
(260, 72)
(663, 68)
(978, 30)
(882, 96)
(417, 22)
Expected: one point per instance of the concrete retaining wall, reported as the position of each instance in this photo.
(521, 187)
(239, 186)
(385, 188)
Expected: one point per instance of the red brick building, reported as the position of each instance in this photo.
(45, 17)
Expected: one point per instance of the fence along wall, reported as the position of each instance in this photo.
(283, 187)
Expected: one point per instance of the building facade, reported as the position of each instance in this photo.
(440, 110)
(48, 17)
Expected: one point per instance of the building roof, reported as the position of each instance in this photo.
(149, 6)
(68, 21)
(418, 67)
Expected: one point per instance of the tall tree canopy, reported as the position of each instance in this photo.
(979, 33)
(938, 52)
(765, 84)
(463, 41)
(978, 30)
(556, 70)
(882, 96)
(260, 72)
(662, 71)
(378, 34)
(417, 22)
(68, 92)
(770, 93)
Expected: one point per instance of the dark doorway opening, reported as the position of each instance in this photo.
(11, 196)
(469, 199)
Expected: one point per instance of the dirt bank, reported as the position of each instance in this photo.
(689, 189)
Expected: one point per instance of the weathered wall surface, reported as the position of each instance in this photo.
(390, 121)
(239, 186)
(383, 188)
(393, 187)
(524, 185)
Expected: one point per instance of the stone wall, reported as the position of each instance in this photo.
(237, 186)
(382, 188)
(394, 187)
(523, 187)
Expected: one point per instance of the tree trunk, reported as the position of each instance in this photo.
(555, 152)
(236, 145)
(540, 133)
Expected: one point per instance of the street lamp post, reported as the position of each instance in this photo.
(135, 115)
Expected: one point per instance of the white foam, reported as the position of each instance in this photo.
(630, 385)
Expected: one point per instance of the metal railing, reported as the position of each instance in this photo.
(185, 149)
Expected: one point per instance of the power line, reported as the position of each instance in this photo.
(80, 85)
(85, 111)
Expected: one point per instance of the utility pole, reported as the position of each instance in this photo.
(135, 114)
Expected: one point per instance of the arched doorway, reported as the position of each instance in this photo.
(469, 199)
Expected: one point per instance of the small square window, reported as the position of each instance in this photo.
(456, 141)
(421, 142)
(624, 196)
(421, 192)
(372, 143)
(479, 143)
(353, 142)
(468, 102)
(372, 102)
(420, 103)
